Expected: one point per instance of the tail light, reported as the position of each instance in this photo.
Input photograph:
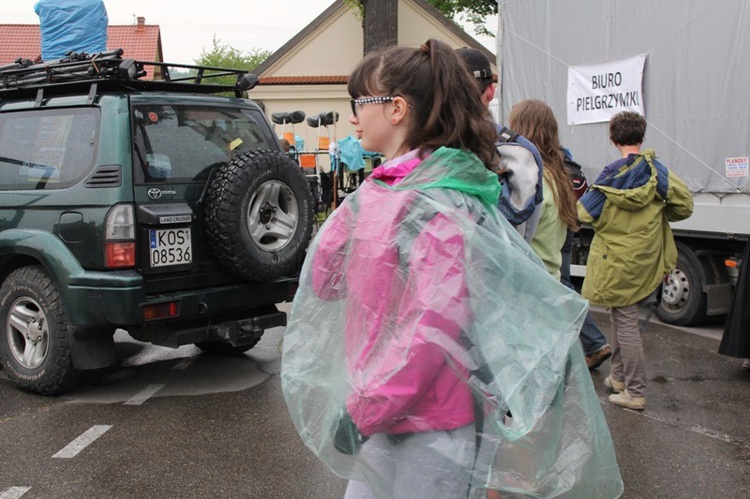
(119, 237)
(161, 310)
(733, 264)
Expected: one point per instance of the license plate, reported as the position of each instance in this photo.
(169, 247)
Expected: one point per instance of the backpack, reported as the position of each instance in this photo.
(580, 185)
(520, 173)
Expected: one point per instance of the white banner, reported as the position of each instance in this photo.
(598, 92)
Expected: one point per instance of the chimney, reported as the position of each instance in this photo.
(141, 22)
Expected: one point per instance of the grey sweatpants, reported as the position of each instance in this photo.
(435, 464)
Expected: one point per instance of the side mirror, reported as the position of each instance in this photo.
(245, 83)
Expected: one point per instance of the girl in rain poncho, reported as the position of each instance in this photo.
(423, 321)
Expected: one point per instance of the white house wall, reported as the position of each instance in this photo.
(415, 27)
(334, 48)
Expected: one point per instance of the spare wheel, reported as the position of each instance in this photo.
(258, 215)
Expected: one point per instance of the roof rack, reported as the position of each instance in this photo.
(80, 68)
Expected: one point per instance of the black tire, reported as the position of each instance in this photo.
(683, 301)
(35, 347)
(259, 216)
(223, 348)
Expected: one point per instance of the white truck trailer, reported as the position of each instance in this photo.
(695, 68)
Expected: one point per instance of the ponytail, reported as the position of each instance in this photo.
(447, 111)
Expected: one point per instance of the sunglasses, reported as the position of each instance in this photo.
(368, 100)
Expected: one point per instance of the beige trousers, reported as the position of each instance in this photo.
(628, 362)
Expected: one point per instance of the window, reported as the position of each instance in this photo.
(47, 148)
(181, 143)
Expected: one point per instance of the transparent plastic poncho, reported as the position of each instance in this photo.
(421, 312)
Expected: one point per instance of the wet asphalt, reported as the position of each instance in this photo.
(219, 427)
(693, 439)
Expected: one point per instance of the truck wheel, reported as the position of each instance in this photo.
(34, 347)
(259, 216)
(683, 301)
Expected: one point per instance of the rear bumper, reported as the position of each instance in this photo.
(234, 331)
(117, 299)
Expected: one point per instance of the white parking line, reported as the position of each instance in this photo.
(80, 443)
(144, 395)
(676, 423)
(14, 492)
(183, 364)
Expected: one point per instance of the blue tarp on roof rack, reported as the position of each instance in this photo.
(71, 25)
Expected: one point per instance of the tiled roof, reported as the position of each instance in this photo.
(139, 41)
(312, 80)
(20, 40)
(304, 80)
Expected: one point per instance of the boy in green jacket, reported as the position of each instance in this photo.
(630, 206)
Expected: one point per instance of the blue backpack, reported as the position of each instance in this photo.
(521, 176)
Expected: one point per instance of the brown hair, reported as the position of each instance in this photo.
(535, 120)
(627, 129)
(441, 93)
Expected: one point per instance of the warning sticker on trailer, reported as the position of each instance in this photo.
(737, 167)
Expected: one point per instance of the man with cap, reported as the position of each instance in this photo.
(479, 66)
(521, 179)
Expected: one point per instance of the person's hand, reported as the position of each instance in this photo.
(346, 436)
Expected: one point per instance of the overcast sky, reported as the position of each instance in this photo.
(187, 27)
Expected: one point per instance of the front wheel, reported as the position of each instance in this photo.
(34, 345)
(683, 302)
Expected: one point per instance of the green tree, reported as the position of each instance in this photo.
(225, 56)
(474, 12)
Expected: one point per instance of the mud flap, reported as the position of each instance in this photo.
(92, 353)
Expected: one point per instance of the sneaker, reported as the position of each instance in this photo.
(595, 359)
(623, 399)
(614, 385)
(746, 363)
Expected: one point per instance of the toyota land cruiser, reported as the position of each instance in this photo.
(158, 207)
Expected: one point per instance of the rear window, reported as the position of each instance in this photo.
(182, 143)
(46, 148)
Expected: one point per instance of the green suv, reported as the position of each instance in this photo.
(155, 206)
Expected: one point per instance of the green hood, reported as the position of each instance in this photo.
(454, 169)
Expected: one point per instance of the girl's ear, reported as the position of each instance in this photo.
(399, 110)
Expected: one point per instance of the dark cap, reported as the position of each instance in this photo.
(476, 62)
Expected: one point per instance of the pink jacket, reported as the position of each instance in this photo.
(406, 304)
